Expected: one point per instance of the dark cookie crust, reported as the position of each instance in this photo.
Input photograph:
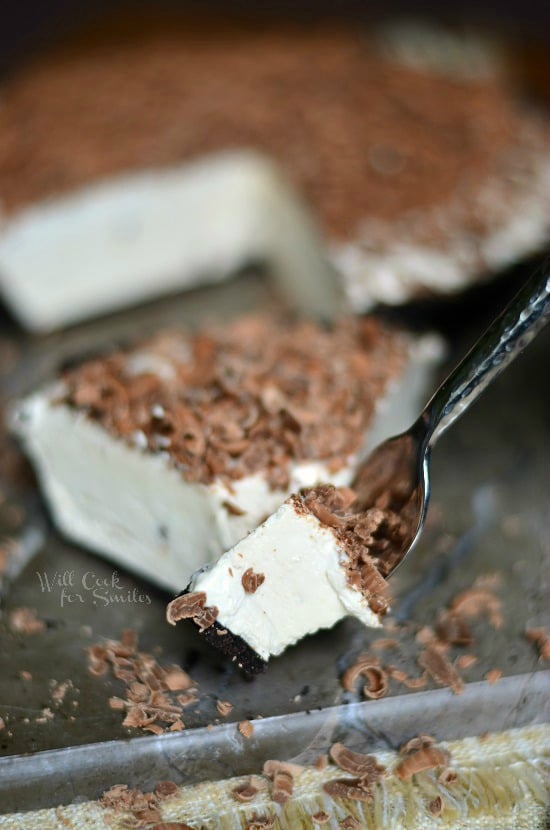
(236, 648)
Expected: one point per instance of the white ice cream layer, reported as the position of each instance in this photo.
(134, 507)
(397, 271)
(304, 588)
(139, 235)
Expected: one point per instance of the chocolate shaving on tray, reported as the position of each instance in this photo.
(490, 581)
(151, 700)
(402, 677)
(369, 668)
(251, 581)
(452, 628)
(224, 708)
(541, 638)
(245, 728)
(384, 643)
(427, 636)
(466, 661)
(192, 607)
(493, 676)
(202, 394)
(429, 757)
(178, 681)
(440, 669)
(355, 131)
(475, 602)
(59, 691)
(24, 621)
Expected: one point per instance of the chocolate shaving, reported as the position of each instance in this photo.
(59, 691)
(357, 670)
(416, 743)
(451, 627)
(202, 395)
(541, 638)
(257, 822)
(25, 621)
(271, 767)
(178, 680)
(150, 700)
(474, 602)
(282, 774)
(369, 668)
(440, 669)
(320, 818)
(377, 683)
(244, 792)
(187, 699)
(245, 728)
(368, 535)
(403, 677)
(141, 806)
(361, 766)
(224, 708)
(493, 676)
(165, 789)
(192, 606)
(435, 806)
(384, 643)
(251, 581)
(465, 661)
(283, 784)
(349, 823)
(232, 509)
(447, 776)
(185, 607)
(429, 757)
(352, 788)
(172, 825)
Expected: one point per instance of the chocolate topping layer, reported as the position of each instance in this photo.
(250, 397)
(362, 137)
(368, 534)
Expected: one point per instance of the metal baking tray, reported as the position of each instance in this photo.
(489, 512)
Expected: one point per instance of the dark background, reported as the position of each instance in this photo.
(25, 26)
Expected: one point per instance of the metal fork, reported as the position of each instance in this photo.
(396, 475)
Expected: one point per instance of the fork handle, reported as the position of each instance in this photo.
(506, 337)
